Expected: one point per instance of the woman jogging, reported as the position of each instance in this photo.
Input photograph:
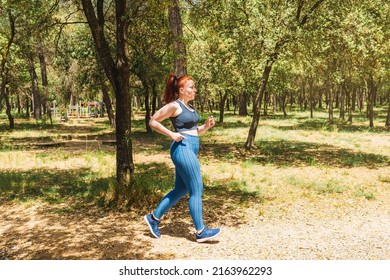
(184, 154)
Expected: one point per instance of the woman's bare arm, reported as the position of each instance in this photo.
(164, 113)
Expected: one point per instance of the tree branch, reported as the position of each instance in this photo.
(100, 14)
(311, 11)
(101, 43)
(299, 10)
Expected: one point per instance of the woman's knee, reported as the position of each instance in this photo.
(180, 192)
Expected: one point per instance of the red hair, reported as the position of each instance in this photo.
(173, 86)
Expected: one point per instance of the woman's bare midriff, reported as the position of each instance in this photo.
(190, 132)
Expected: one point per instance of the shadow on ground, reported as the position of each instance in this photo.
(64, 214)
(293, 153)
(323, 124)
(40, 233)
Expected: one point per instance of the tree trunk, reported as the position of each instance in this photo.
(330, 105)
(274, 103)
(361, 99)
(311, 98)
(266, 103)
(8, 109)
(387, 124)
(34, 88)
(4, 94)
(283, 102)
(147, 106)
(210, 107)
(222, 105)
(243, 100)
(107, 102)
(118, 74)
(257, 104)
(350, 104)
(45, 83)
(302, 96)
(18, 103)
(371, 92)
(235, 104)
(154, 96)
(27, 107)
(320, 100)
(124, 152)
(342, 101)
(179, 46)
(353, 100)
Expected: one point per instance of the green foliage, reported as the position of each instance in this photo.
(149, 37)
(341, 44)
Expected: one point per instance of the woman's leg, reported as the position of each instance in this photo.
(172, 197)
(188, 168)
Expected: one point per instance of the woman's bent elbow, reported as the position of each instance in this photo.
(152, 123)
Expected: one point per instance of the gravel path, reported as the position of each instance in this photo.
(357, 233)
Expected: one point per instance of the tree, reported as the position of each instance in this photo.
(218, 59)
(4, 90)
(152, 55)
(291, 20)
(179, 46)
(118, 71)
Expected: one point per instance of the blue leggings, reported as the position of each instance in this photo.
(184, 155)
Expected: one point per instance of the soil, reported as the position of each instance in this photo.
(326, 229)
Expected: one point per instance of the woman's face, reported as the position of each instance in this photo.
(188, 91)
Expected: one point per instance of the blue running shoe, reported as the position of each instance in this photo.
(207, 234)
(153, 225)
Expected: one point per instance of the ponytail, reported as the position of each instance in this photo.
(172, 87)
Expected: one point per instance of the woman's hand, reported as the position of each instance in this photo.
(177, 136)
(210, 122)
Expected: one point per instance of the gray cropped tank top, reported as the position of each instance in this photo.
(186, 120)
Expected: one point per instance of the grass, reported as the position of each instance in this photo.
(296, 158)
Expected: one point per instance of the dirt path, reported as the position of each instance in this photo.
(326, 229)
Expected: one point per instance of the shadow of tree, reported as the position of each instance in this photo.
(75, 222)
(82, 185)
(84, 129)
(72, 224)
(90, 233)
(51, 185)
(143, 141)
(237, 124)
(323, 124)
(294, 153)
(26, 125)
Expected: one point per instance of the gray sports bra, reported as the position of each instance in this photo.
(186, 120)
